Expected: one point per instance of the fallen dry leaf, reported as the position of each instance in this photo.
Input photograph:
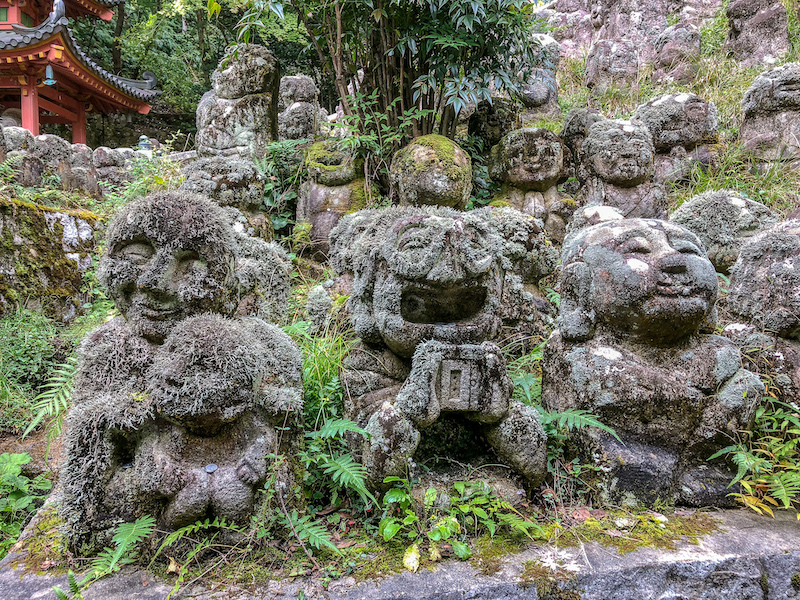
(173, 567)
(580, 514)
(614, 532)
(411, 558)
(347, 544)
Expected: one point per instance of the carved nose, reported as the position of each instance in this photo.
(157, 277)
(673, 263)
(447, 269)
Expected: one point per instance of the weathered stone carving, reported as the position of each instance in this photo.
(634, 294)
(765, 293)
(336, 186)
(758, 31)
(723, 220)
(432, 290)
(683, 128)
(612, 63)
(231, 181)
(539, 93)
(677, 50)
(240, 115)
(772, 116)
(530, 162)
(177, 401)
(619, 169)
(432, 171)
(299, 114)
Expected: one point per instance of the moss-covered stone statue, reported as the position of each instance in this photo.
(634, 295)
(432, 291)
(765, 295)
(179, 401)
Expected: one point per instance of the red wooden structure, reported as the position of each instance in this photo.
(44, 72)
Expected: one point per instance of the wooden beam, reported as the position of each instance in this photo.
(55, 108)
(54, 95)
(52, 119)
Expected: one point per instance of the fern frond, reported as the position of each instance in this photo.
(574, 419)
(54, 399)
(333, 428)
(346, 472)
(784, 486)
(518, 524)
(313, 532)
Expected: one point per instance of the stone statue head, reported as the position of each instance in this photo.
(619, 152)
(645, 279)
(172, 255)
(679, 120)
(433, 273)
(765, 281)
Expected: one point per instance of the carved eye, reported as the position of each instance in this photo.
(190, 262)
(637, 245)
(685, 247)
(139, 253)
(413, 238)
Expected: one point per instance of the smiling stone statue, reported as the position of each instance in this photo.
(634, 295)
(178, 401)
(432, 291)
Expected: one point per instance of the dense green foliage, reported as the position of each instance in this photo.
(20, 496)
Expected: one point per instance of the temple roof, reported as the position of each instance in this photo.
(21, 37)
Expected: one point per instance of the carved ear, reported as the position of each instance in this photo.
(576, 319)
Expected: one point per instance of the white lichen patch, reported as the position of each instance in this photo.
(637, 265)
(607, 353)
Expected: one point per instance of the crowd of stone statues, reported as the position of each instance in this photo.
(184, 402)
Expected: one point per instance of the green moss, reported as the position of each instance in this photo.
(358, 196)
(43, 545)
(796, 581)
(546, 581)
(321, 156)
(764, 583)
(445, 155)
(489, 552)
(647, 530)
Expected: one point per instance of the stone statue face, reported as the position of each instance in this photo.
(620, 153)
(649, 279)
(168, 258)
(439, 282)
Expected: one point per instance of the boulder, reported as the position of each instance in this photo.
(758, 31)
(611, 64)
(723, 220)
(432, 171)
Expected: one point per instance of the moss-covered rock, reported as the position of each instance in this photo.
(44, 253)
(329, 165)
(432, 171)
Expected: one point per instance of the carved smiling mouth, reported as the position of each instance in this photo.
(441, 305)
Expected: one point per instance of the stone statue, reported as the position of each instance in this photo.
(619, 169)
(529, 162)
(179, 401)
(765, 293)
(432, 290)
(634, 294)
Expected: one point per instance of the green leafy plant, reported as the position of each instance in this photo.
(53, 401)
(283, 170)
(472, 509)
(126, 537)
(20, 496)
(768, 472)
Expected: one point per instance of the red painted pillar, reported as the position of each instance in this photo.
(30, 106)
(79, 126)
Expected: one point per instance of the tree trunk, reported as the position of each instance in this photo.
(116, 48)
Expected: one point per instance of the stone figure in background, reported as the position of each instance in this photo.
(684, 127)
(634, 294)
(772, 116)
(231, 181)
(677, 51)
(723, 220)
(539, 94)
(336, 186)
(433, 289)
(612, 63)
(177, 401)
(530, 162)
(299, 114)
(239, 116)
(765, 294)
(619, 169)
(758, 31)
(432, 171)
